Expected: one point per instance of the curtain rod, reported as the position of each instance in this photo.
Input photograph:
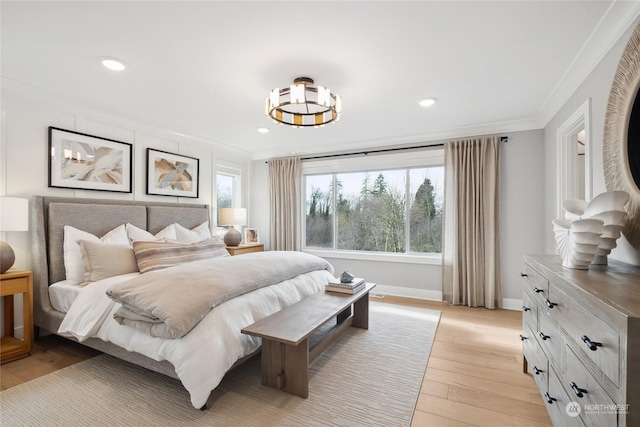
(382, 150)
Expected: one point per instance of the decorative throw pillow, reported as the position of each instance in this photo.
(157, 255)
(73, 264)
(136, 233)
(197, 234)
(102, 260)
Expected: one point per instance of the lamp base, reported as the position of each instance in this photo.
(232, 237)
(7, 257)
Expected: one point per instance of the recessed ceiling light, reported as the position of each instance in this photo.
(427, 102)
(112, 64)
(263, 130)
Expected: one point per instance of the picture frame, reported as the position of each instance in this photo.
(251, 236)
(170, 174)
(88, 162)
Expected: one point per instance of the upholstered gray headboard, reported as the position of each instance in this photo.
(49, 215)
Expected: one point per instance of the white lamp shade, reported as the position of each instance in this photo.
(233, 216)
(14, 214)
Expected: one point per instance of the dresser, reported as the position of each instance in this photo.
(581, 340)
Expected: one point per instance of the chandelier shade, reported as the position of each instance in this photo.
(303, 104)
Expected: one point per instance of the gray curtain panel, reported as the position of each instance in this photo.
(471, 244)
(285, 178)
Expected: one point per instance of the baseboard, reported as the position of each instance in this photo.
(399, 291)
(512, 304)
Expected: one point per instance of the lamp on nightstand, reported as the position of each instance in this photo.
(14, 216)
(232, 217)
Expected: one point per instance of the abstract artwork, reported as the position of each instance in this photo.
(171, 174)
(81, 161)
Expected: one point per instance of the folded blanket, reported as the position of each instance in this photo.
(168, 303)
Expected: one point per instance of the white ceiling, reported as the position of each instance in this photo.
(205, 68)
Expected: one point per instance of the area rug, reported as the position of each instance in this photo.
(367, 378)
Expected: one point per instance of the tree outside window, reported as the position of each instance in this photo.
(397, 211)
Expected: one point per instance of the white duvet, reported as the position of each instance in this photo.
(204, 355)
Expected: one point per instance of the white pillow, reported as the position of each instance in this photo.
(73, 264)
(195, 235)
(140, 235)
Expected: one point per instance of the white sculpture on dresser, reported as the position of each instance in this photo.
(575, 238)
(577, 241)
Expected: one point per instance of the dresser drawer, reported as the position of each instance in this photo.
(534, 283)
(536, 359)
(529, 312)
(549, 337)
(582, 325)
(583, 388)
(557, 401)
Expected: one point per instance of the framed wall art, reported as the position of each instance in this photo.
(87, 162)
(171, 174)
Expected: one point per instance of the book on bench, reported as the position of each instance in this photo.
(347, 288)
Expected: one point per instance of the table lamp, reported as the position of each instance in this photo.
(232, 217)
(14, 216)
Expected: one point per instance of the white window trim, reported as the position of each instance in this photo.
(235, 172)
(429, 259)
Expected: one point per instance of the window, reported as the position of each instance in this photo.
(228, 187)
(389, 211)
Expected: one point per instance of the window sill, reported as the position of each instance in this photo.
(431, 259)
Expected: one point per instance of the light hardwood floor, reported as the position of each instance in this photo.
(474, 375)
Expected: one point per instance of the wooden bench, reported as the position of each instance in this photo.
(285, 335)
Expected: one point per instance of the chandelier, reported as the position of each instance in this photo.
(303, 105)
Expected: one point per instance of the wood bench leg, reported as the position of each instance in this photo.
(272, 367)
(361, 313)
(286, 367)
(296, 369)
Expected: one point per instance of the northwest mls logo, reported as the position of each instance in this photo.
(573, 409)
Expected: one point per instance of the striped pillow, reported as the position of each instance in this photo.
(157, 255)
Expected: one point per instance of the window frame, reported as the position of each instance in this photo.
(236, 191)
(433, 157)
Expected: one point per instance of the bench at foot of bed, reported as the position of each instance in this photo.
(285, 335)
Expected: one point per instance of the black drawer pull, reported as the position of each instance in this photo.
(537, 290)
(537, 371)
(523, 274)
(523, 338)
(549, 303)
(548, 398)
(543, 336)
(577, 390)
(593, 346)
(525, 308)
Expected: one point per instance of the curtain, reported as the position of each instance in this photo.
(471, 244)
(285, 179)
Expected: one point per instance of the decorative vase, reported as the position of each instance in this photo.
(577, 241)
(609, 209)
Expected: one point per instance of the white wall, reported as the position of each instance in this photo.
(522, 213)
(597, 87)
(26, 116)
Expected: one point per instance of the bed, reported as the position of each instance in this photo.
(199, 358)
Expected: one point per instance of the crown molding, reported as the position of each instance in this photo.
(620, 16)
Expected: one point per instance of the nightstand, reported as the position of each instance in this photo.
(245, 249)
(11, 283)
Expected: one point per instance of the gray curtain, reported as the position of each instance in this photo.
(471, 243)
(285, 182)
